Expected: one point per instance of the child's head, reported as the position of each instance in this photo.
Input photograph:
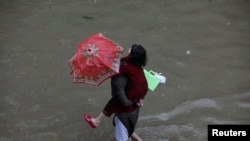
(138, 55)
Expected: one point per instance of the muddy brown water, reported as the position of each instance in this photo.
(201, 46)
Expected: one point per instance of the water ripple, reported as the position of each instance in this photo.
(182, 108)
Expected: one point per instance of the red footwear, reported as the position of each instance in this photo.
(88, 120)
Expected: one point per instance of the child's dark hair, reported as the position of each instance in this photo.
(138, 55)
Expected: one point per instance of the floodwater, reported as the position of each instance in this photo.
(201, 46)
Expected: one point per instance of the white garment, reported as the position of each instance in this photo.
(121, 132)
(161, 78)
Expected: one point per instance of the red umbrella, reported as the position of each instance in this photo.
(97, 59)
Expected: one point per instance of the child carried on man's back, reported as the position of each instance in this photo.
(132, 67)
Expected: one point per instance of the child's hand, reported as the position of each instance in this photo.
(140, 103)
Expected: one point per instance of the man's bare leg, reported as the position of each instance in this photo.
(136, 137)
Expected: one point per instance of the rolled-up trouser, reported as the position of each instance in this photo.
(121, 133)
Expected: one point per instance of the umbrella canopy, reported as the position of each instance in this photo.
(96, 59)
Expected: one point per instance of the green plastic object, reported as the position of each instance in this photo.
(153, 81)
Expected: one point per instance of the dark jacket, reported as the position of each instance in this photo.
(123, 90)
(120, 85)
